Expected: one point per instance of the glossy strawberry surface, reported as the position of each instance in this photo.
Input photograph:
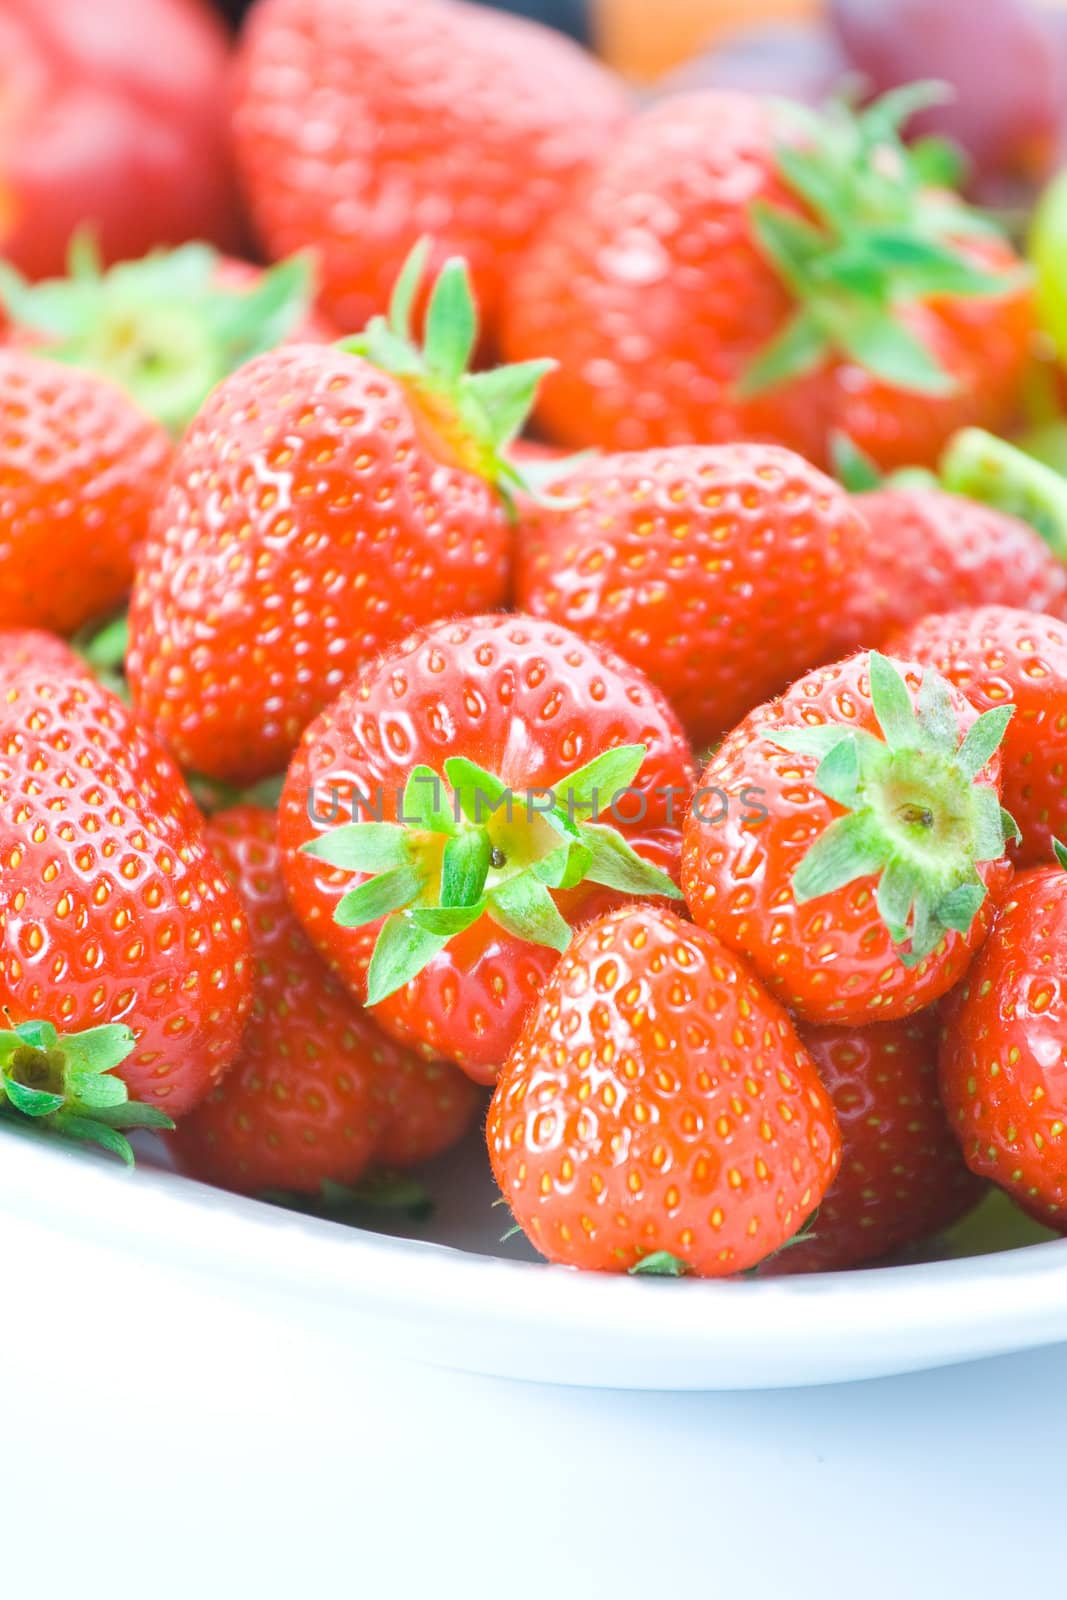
(318, 1092)
(902, 1176)
(931, 551)
(112, 909)
(361, 128)
(1004, 1050)
(81, 468)
(530, 702)
(312, 519)
(721, 572)
(658, 1099)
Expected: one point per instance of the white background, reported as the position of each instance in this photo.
(159, 1441)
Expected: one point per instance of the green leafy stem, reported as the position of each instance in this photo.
(917, 815)
(67, 1085)
(489, 852)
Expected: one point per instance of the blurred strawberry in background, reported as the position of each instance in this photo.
(112, 113)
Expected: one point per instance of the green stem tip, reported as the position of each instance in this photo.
(476, 416)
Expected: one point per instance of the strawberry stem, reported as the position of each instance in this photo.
(67, 1084)
(467, 847)
(874, 236)
(660, 1264)
(916, 815)
(471, 418)
(985, 468)
(167, 327)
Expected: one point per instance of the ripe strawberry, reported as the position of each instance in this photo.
(115, 111)
(166, 328)
(461, 765)
(902, 1177)
(359, 128)
(82, 466)
(996, 655)
(1004, 1048)
(659, 1103)
(720, 571)
(42, 652)
(123, 952)
(740, 269)
(861, 893)
(320, 507)
(931, 551)
(317, 1091)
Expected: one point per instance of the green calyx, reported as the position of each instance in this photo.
(880, 231)
(660, 1264)
(1060, 852)
(918, 818)
(985, 468)
(468, 847)
(377, 1192)
(473, 417)
(167, 328)
(67, 1085)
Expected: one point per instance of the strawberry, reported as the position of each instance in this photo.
(40, 651)
(360, 127)
(1004, 1048)
(123, 952)
(82, 466)
(166, 328)
(116, 112)
(719, 571)
(440, 831)
(658, 1111)
(319, 508)
(902, 1177)
(996, 655)
(737, 268)
(863, 872)
(317, 1090)
(931, 551)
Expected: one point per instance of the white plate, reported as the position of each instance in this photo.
(469, 1302)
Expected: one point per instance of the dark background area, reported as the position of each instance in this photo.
(568, 15)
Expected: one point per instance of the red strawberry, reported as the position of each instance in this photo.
(82, 466)
(1004, 1048)
(320, 508)
(659, 1104)
(116, 111)
(740, 269)
(123, 951)
(40, 651)
(931, 551)
(862, 891)
(318, 1092)
(995, 656)
(463, 765)
(721, 572)
(166, 328)
(361, 127)
(902, 1177)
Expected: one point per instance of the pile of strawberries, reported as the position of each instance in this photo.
(348, 731)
